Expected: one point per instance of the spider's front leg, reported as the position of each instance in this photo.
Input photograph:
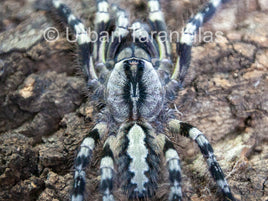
(193, 133)
(83, 42)
(120, 32)
(158, 25)
(84, 157)
(184, 46)
(102, 24)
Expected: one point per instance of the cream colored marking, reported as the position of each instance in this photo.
(215, 3)
(82, 39)
(223, 185)
(171, 154)
(139, 31)
(113, 142)
(175, 190)
(210, 161)
(188, 34)
(103, 6)
(71, 17)
(201, 140)
(102, 17)
(80, 29)
(154, 6)
(80, 173)
(102, 129)
(107, 161)
(187, 38)
(174, 125)
(87, 143)
(200, 17)
(194, 133)
(56, 3)
(122, 21)
(161, 139)
(92, 69)
(138, 153)
(106, 173)
(120, 32)
(102, 50)
(122, 25)
(156, 16)
(174, 165)
(177, 69)
(77, 198)
(108, 196)
(161, 48)
(135, 26)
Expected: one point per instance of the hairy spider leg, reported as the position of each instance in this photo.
(107, 169)
(193, 133)
(102, 24)
(173, 165)
(83, 158)
(159, 28)
(120, 32)
(184, 46)
(83, 41)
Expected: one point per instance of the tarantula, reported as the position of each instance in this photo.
(132, 71)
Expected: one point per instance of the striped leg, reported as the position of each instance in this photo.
(83, 158)
(121, 31)
(107, 170)
(185, 45)
(158, 25)
(174, 169)
(189, 131)
(102, 22)
(83, 41)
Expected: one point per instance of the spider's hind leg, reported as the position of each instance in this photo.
(193, 133)
(107, 170)
(84, 158)
(173, 165)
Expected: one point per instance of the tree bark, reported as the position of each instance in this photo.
(45, 112)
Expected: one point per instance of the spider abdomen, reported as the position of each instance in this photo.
(134, 91)
(138, 162)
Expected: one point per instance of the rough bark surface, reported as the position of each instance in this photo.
(45, 114)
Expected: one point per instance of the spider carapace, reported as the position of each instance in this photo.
(131, 70)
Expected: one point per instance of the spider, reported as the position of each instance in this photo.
(131, 71)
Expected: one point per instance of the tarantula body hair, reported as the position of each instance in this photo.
(136, 93)
(133, 72)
